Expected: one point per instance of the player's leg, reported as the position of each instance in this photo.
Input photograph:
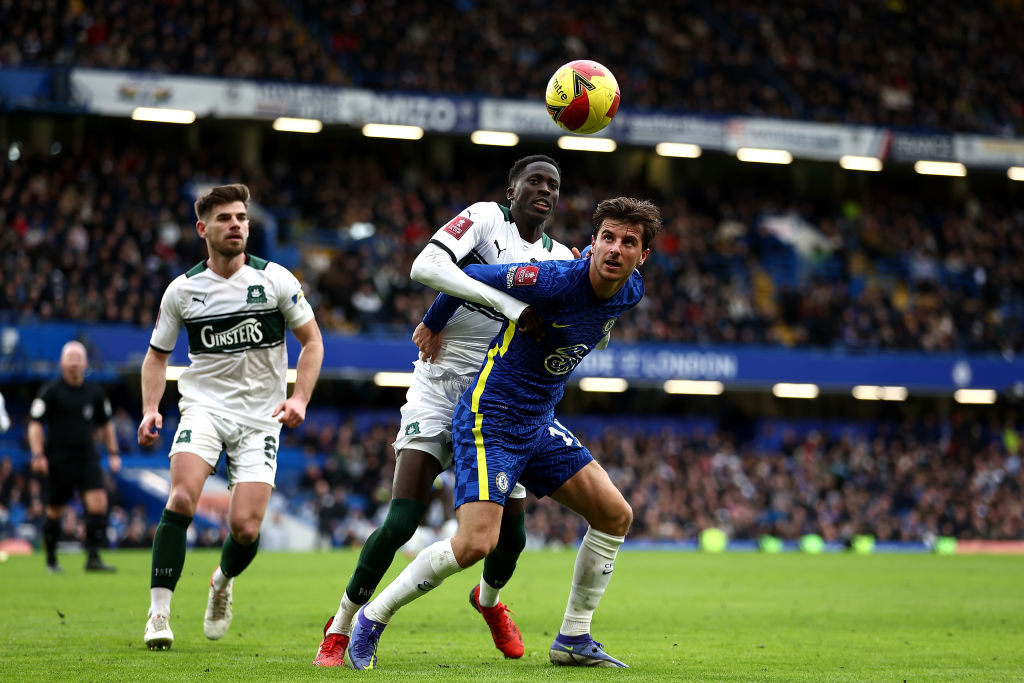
(591, 493)
(94, 496)
(498, 568)
(415, 471)
(189, 472)
(476, 536)
(252, 469)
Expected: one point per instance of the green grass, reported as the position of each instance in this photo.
(672, 616)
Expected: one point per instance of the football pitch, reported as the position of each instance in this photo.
(677, 616)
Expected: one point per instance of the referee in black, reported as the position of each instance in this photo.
(73, 410)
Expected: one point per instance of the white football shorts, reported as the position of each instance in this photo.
(251, 452)
(427, 414)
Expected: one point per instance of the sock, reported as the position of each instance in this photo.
(169, 549)
(378, 552)
(343, 619)
(501, 563)
(220, 580)
(95, 534)
(51, 534)
(235, 557)
(434, 564)
(595, 562)
(160, 601)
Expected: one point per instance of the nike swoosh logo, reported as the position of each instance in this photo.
(561, 324)
(607, 571)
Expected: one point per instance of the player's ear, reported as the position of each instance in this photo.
(643, 257)
(510, 193)
(201, 229)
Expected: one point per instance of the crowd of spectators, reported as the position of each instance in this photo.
(906, 481)
(945, 66)
(96, 236)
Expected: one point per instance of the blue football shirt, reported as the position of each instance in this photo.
(524, 377)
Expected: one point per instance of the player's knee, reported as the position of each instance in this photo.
(615, 519)
(245, 532)
(181, 503)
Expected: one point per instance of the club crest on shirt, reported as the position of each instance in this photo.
(501, 481)
(256, 295)
(608, 324)
(458, 226)
(521, 276)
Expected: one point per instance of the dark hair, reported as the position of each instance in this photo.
(632, 211)
(520, 166)
(221, 194)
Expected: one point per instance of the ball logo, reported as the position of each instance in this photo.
(525, 276)
(458, 226)
(501, 481)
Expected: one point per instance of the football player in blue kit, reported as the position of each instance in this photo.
(504, 429)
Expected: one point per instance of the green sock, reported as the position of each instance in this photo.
(235, 557)
(404, 516)
(169, 549)
(501, 563)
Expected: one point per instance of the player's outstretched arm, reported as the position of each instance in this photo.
(434, 268)
(292, 412)
(154, 381)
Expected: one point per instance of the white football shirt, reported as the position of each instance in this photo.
(483, 233)
(236, 337)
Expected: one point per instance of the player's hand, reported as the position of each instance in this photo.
(575, 252)
(149, 428)
(40, 465)
(531, 323)
(291, 413)
(427, 341)
(114, 460)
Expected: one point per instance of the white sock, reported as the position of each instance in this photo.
(220, 580)
(160, 601)
(488, 595)
(343, 619)
(434, 564)
(595, 562)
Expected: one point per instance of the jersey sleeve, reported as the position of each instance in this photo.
(37, 411)
(475, 225)
(102, 412)
(168, 319)
(291, 300)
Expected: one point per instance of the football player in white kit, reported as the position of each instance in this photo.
(485, 232)
(235, 308)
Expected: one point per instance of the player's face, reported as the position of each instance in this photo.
(227, 230)
(616, 250)
(536, 191)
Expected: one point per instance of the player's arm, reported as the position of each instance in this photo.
(292, 412)
(154, 381)
(435, 268)
(109, 436)
(36, 438)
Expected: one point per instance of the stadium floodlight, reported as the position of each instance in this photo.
(693, 386)
(981, 396)
(286, 124)
(1015, 173)
(498, 138)
(949, 168)
(867, 392)
(678, 149)
(764, 156)
(852, 162)
(393, 379)
(159, 115)
(610, 385)
(585, 144)
(389, 130)
(790, 390)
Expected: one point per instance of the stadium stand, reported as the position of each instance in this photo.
(92, 230)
